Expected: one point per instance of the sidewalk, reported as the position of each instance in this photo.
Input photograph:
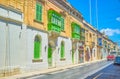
(35, 73)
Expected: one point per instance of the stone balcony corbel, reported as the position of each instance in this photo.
(52, 36)
(74, 44)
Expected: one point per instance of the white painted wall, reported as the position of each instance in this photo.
(76, 56)
(11, 14)
(12, 39)
(68, 53)
(2, 43)
(12, 45)
(3, 12)
(16, 16)
(31, 33)
(15, 51)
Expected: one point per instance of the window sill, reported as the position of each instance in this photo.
(38, 21)
(62, 59)
(37, 60)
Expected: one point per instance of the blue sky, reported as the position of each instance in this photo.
(108, 15)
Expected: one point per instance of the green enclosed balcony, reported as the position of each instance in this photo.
(55, 21)
(53, 27)
(76, 35)
(75, 30)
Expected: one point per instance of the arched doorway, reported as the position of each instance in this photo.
(37, 47)
(94, 56)
(87, 54)
(50, 56)
(73, 56)
(62, 50)
(81, 56)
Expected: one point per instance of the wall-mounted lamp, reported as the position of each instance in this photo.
(20, 35)
(45, 48)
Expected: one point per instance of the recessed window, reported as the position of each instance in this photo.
(38, 16)
(37, 47)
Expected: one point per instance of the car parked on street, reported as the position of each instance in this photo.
(110, 57)
(117, 59)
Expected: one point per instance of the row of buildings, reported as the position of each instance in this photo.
(42, 34)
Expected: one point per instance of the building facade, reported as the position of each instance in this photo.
(42, 34)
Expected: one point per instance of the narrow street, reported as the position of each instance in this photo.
(59, 39)
(79, 72)
(110, 72)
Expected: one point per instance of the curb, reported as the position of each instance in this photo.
(37, 73)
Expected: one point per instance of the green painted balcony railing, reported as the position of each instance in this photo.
(75, 35)
(55, 21)
(75, 30)
(53, 27)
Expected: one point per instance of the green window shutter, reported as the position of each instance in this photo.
(37, 8)
(62, 24)
(77, 29)
(36, 50)
(38, 12)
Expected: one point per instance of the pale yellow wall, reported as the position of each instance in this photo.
(90, 39)
(29, 13)
(72, 19)
(66, 31)
(28, 9)
(30, 17)
(15, 4)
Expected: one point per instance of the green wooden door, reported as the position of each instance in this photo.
(72, 57)
(49, 56)
(36, 50)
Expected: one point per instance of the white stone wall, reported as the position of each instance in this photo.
(12, 39)
(31, 33)
(68, 53)
(76, 56)
(14, 15)
(12, 45)
(15, 50)
(17, 47)
(2, 43)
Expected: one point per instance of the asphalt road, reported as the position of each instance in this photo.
(69, 73)
(110, 72)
